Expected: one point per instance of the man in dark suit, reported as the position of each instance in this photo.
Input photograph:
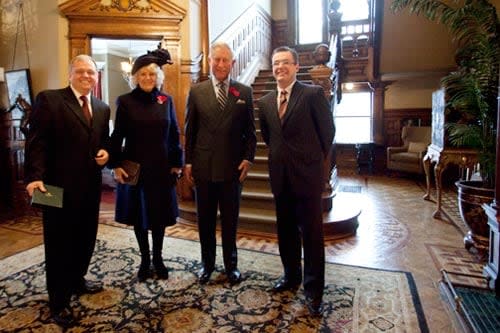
(219, 150)
(297, 125)
(65, 147)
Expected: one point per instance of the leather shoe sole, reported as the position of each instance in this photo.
(143, 274)
(314, 306)
(88, 288)
(161, 271)
(64, 318)
(204, 275)
(284, 284)
(234, 276)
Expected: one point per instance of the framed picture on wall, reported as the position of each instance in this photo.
(19, 83)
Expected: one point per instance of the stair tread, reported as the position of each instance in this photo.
(258, 174)
(258, 214)
(257, 210)
(257, 193)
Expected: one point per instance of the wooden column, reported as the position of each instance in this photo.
(379, 88)
(205, 41)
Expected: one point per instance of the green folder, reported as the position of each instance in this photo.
(52, 198)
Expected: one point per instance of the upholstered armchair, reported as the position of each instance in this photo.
(408, 158)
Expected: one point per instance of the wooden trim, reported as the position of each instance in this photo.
(156, 20)
(393, 122)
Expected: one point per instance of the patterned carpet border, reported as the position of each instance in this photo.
(356, 299)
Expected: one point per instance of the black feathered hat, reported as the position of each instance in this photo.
(159, 56)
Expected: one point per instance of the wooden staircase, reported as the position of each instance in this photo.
(257, 211)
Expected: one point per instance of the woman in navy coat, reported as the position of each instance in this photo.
(146, 132)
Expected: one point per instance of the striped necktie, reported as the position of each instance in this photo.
(283, 104)
(221, 95)
(85, 109)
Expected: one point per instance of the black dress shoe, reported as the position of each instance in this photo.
(87, 287)
(234, 276)
(204, 275)
(284, 284)
(161, 270)
(314, 305)
(63, 318)
(144, 273)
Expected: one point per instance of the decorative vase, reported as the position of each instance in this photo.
(471, 197)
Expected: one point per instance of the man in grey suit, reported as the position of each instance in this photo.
(66, 147)
(297, 124)
(219, 150)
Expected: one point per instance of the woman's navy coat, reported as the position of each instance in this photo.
(146, 132)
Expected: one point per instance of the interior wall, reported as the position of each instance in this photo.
(194, 14)
(223, 12)
(426, 45)
(45, 58)
(411, 93)
(111, 72)
(415, 54)
(279, 9)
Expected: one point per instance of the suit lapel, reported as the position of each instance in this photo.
(72, 103)
(96, 112)
(295, 96)
(274, 107)
(231, 99)
(224, 114)
(207, 89)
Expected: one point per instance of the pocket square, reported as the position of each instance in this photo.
(240, 101)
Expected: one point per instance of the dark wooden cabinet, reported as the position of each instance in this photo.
(13, 198)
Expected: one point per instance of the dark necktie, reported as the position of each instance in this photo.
(283, 104)
(221, 95)
(86, 110)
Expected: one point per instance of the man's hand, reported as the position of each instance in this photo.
(37, 184)
(244, 167)
(176, 171)
(102, 157)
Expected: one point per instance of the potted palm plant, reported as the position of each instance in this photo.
(471, 92)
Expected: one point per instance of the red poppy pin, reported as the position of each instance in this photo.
(234, 91)
(161, 99)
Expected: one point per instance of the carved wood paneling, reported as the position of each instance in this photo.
(132, 19)
(393, 122)
(280, 33)
(11, 161)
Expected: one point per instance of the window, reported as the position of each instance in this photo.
(310, 27)
(354, 9)
(311, 18)
(353, 118)
(354, 114)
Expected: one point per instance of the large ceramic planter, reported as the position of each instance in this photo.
(471, 196)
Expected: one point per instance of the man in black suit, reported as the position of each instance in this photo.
(65, 147)
(297, 124)
(219, 150)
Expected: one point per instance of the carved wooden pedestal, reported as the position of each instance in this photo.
(464, 158)
(491, 270)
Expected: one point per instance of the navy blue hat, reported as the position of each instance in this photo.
(159, 56)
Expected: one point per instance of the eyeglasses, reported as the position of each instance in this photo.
(283, 62)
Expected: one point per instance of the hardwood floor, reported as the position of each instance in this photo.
(396, 232)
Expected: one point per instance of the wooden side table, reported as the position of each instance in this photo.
(443, 157)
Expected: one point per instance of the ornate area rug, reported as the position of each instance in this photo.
(356, 299)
